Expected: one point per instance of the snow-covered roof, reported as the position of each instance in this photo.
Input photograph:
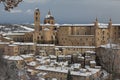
(92, 62)
(12, 45)
(18, 43)
(77, 25)
(75, 46)
(43, 59)
(82, 35)
(109, 45)
(92, 52)
(101, 25)
(65, 70)
(36, 8)
(1, 26)
(33, 63)
(30, 70)
(61, 55)
(76, 65)
(46, 29)
(27, 28)
(80, 57)
(52, 56)
(7, 38)
(4, 43)
(48, 16)
(41, 74)
(42, 51)
(115, 24)
(45, 45)
(21, 43)
(26, 56)
(21, 31)
(14, 58)
(12, 34)
(68, 56)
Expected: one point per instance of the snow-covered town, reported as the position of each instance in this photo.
(45, 49)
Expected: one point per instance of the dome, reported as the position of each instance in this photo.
(36, 9)
(49, 16)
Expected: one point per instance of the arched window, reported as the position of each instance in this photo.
(36, 13)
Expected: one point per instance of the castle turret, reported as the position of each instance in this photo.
(96, 23)
(97, 39)
(110, 29)
(49, 19)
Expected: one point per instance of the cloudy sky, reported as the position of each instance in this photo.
(64, 11)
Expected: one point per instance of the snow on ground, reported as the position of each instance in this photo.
(65, 70)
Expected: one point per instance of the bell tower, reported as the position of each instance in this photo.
(37, 20)
(37, 29)
(36, 25)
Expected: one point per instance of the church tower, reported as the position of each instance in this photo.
(36, 25)
(36, 29)
(49, 19)
(37, 20)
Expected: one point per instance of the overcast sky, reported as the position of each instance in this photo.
(64, 11)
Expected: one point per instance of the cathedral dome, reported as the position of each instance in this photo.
(49, 16)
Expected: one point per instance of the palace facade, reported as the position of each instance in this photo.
(95, 34)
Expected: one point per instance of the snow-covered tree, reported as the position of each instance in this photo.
(8, 71)
(109, 58)
(10, 4)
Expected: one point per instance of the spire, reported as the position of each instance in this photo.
(49, 13)
(96, 23)
(110, 20)
(96, 19)
(37, 9)
(110, 23)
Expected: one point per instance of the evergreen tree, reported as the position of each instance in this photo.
(57, 59)
(69, 77)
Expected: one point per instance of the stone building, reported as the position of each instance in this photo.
(44, 33)
(69, 38)
(95, 34)
(49, 32)
(11, 50)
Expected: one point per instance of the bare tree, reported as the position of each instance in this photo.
(10, 4)
(109, 58)
(8, 71)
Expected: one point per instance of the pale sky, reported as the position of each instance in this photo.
(64, 11)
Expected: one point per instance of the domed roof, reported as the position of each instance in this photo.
(49, 16)
(37, 9)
